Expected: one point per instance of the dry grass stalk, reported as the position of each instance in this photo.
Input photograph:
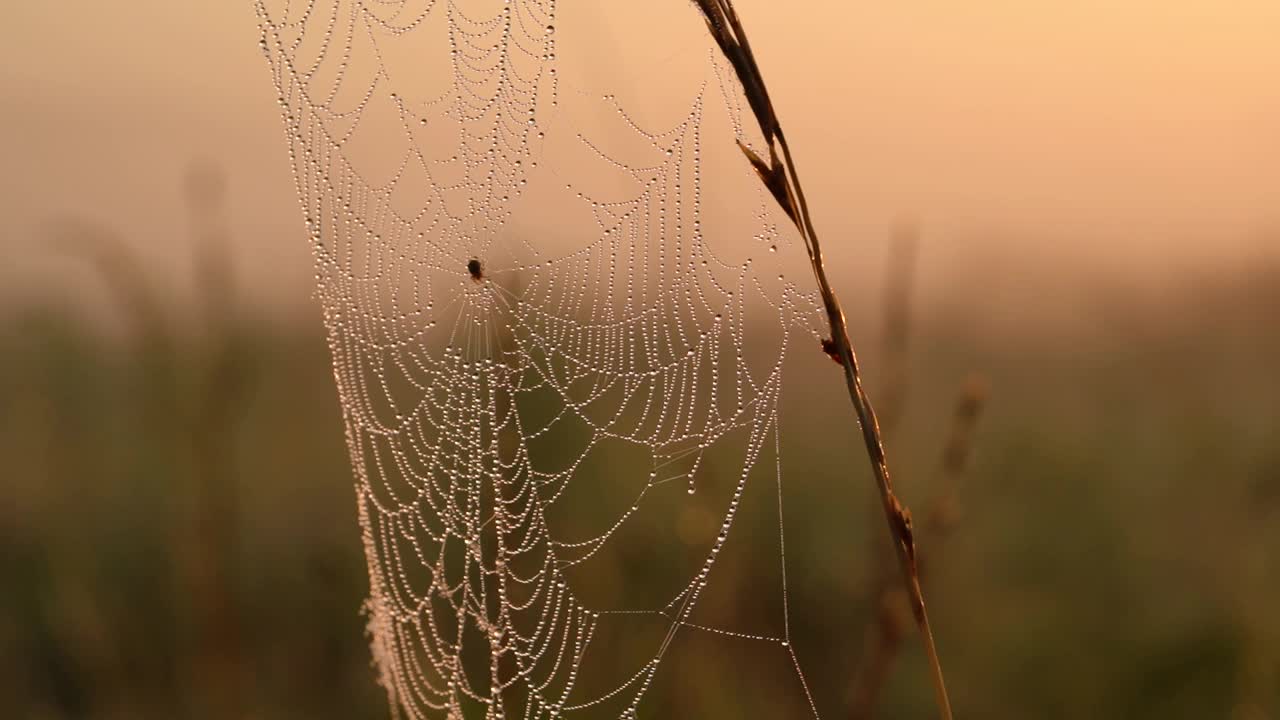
(884, 638)
(896, 328)
(955, 456)
(779, 176)
(205, 525)
(883, 635)
(214, 516)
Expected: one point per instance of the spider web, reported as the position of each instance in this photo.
(557, 345)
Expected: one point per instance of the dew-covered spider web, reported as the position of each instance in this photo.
(558, 306)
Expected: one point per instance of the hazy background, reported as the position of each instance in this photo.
(1096, 186)
(1136, 134)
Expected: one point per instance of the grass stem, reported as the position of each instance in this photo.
(781, 179)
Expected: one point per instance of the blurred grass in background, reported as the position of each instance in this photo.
(178, 534)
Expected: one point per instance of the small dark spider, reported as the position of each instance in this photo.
(475, 270)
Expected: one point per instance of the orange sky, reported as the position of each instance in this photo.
(1128, 126)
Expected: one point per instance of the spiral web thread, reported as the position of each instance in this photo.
(484, 366)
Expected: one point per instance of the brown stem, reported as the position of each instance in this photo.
(781, 179)
(884, 633)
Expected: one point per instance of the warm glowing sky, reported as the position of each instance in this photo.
(1118, 123)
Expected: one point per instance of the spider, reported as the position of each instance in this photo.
(476, 270)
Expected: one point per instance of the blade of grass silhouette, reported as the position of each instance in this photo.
(955, 456)
(216, 510)
(204, 528)
(781, 179)
(895, 332)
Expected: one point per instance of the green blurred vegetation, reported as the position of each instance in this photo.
(178, 536)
